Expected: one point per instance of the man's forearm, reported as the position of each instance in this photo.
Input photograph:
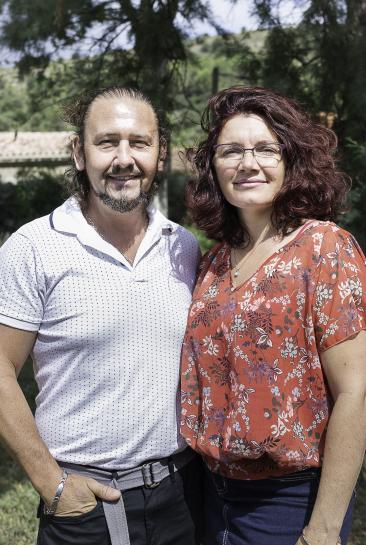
(343, 456)
(20, 435)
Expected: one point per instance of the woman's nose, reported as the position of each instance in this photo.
(248, 160)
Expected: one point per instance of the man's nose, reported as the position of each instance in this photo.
(123, 156)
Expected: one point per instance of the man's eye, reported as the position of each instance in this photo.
(107, 143)
(139, 144)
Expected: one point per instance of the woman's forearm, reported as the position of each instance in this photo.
(343, 456)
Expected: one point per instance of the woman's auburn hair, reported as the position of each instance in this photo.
(312, 188)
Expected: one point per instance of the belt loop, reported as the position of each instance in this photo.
(171, 469)
(40, 508)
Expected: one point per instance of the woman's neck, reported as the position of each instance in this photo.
(258, 225)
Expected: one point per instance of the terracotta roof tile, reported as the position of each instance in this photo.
(31, 147)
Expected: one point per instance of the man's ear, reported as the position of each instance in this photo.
(78, 154)
(163, 152)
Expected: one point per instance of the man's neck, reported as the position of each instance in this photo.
(124, 230)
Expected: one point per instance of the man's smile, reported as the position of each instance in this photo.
(123, 179)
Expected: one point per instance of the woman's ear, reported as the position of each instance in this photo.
(78, 154)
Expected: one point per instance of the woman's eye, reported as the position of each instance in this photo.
(269, 150)
(231, 151)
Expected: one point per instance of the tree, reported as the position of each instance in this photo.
(134, 43)
(321, 62)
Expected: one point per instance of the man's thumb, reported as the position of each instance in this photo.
(102, 491)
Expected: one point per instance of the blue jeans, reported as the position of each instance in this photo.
(261, 512)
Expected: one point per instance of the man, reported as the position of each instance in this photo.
(99, 292)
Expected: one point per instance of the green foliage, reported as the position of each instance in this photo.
(204, 242)
(42, 32)
(321, 64)
(18, 500)
(13, 105)
(18, 505)
(36, 194)
(196, 83)
(177, 210)
(358, 534)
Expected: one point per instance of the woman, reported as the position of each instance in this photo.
(273, 377)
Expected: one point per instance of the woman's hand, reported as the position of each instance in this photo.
(306, 539)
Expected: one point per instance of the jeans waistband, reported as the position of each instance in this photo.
(304, 475)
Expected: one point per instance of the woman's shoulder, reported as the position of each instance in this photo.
(328, 233)
(328, 242)
(213, 254)
(214, 261)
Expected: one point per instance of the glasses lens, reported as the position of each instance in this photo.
(229, 152)
(268, 150)
(268, 154)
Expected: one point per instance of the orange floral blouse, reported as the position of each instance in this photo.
(255, 401)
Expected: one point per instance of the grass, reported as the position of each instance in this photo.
(18, 500)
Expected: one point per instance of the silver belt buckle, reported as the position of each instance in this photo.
(148, 476)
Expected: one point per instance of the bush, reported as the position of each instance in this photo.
(35, 194)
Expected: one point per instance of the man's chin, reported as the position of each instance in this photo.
(125, 204)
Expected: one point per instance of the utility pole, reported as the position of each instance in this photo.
(215, 80)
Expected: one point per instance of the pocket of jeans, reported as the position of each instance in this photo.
(87, 529)
(76, 519)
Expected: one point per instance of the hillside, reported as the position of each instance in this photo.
(25, 104)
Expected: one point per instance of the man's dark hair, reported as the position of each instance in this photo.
(75, 113)
(312, 188)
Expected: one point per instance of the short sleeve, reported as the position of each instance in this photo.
(339, 304)
(21, 284)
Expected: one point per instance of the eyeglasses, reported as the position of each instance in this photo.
(268, 154)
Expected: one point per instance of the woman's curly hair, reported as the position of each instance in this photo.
(312, 188)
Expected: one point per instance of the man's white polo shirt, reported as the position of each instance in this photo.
(107, 353)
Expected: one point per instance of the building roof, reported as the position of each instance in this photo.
(34, 148)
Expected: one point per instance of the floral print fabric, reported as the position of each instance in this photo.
(255, 402)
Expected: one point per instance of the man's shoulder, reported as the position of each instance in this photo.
(45, 227)
(36, 227)
(176, 230)
(185, 233)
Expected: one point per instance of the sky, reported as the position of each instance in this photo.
(234, 17)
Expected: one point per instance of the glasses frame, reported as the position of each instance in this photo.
(281, 148)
